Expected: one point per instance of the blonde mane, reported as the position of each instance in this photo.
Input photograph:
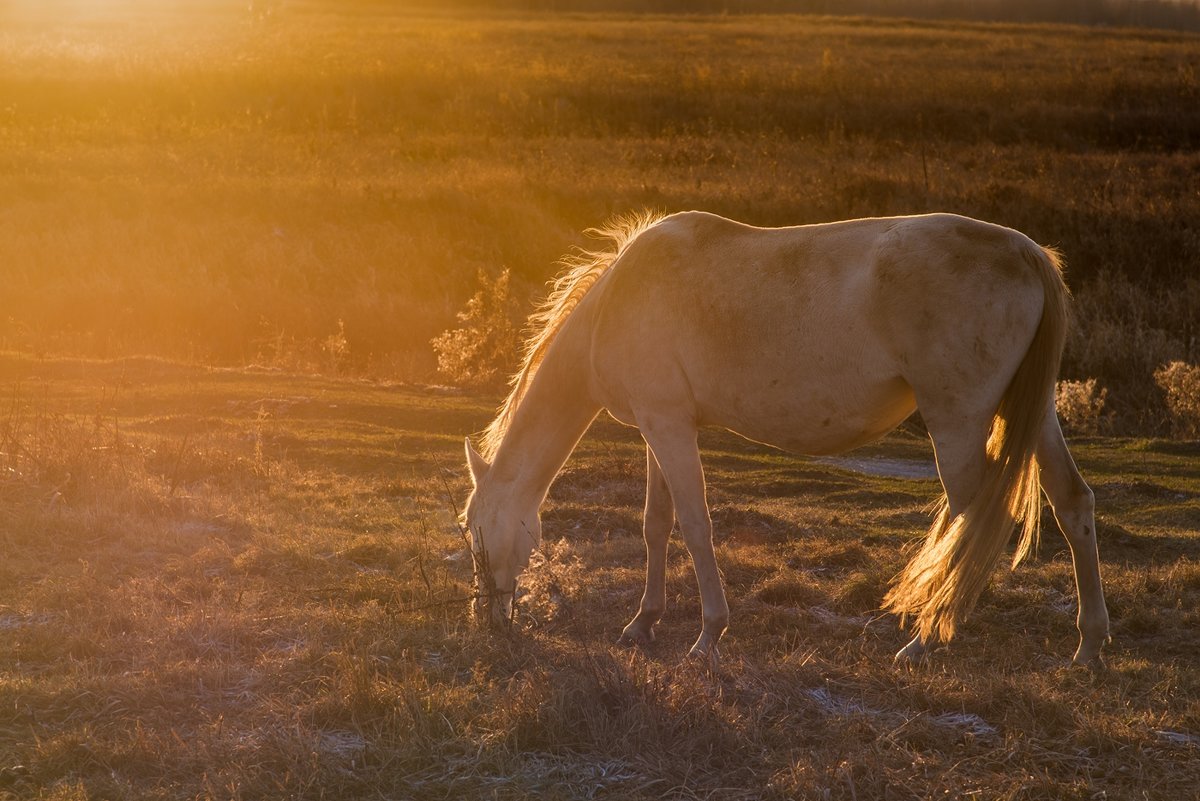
(580, 271)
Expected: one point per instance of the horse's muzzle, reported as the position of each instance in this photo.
(493, 609)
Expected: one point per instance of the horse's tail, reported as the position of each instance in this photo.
(942, 583)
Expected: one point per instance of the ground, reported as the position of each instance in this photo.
(249, 583)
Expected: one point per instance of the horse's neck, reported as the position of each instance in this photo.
(550, 420)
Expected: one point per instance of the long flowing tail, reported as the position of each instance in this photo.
(942, 583)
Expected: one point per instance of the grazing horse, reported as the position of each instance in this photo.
(815, 339)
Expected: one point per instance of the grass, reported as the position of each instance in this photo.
(227, 188)
(243, 584)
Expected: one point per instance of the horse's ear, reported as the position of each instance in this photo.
(476, 463)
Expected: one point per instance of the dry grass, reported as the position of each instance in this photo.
(246, 589)
(226, 188)
(1181, 383)
(1080, 406)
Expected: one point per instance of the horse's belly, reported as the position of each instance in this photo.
(811, 419)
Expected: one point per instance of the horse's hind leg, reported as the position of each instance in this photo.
(1074, 508)
(914, 653)
(656, 527)
(960, 448)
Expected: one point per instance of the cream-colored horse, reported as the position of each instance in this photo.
(815, 339)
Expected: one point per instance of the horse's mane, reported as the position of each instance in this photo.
(581, 269)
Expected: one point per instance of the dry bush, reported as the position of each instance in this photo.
(1080, 406)
(1181, 383)
(336, 349)
(1122, 332)
(51, 461)
(482, 349)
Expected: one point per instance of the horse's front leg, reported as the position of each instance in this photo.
(674, 445)
(656, 527)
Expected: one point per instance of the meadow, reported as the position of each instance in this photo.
(232, 584)
(230, 475)
(321, 187)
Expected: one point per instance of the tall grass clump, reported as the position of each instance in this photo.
(483, 349)
(1080, 406)
(52, 462)
(1181, 383)
(1122, 333)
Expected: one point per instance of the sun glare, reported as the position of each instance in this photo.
(73, 11)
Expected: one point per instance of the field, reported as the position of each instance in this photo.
(230, 475)
(243, 584)
(321, 186)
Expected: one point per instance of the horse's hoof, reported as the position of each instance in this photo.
(1088, 655)
(705, 652)
(636, 637)
(1094, 663)
(910, 655)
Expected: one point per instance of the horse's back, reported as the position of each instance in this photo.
(812, 337)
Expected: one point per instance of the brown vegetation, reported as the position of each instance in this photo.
(235, 188)
(1182, 14)
(241, 584)
(1181, 383)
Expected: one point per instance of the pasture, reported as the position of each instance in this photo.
(229, 478)
(243, 584)
(319, 188)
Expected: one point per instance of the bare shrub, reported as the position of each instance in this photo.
(1080, 406)
(1181, 383)
(336, 348)
(481, 351)
(1122, 332)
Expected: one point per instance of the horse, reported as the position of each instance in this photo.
(814, 339)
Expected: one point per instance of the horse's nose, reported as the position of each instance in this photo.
(502, 611)
(490, 609)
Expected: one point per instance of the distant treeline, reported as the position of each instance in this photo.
(1170, 14)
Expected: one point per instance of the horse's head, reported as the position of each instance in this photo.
(503, 536)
